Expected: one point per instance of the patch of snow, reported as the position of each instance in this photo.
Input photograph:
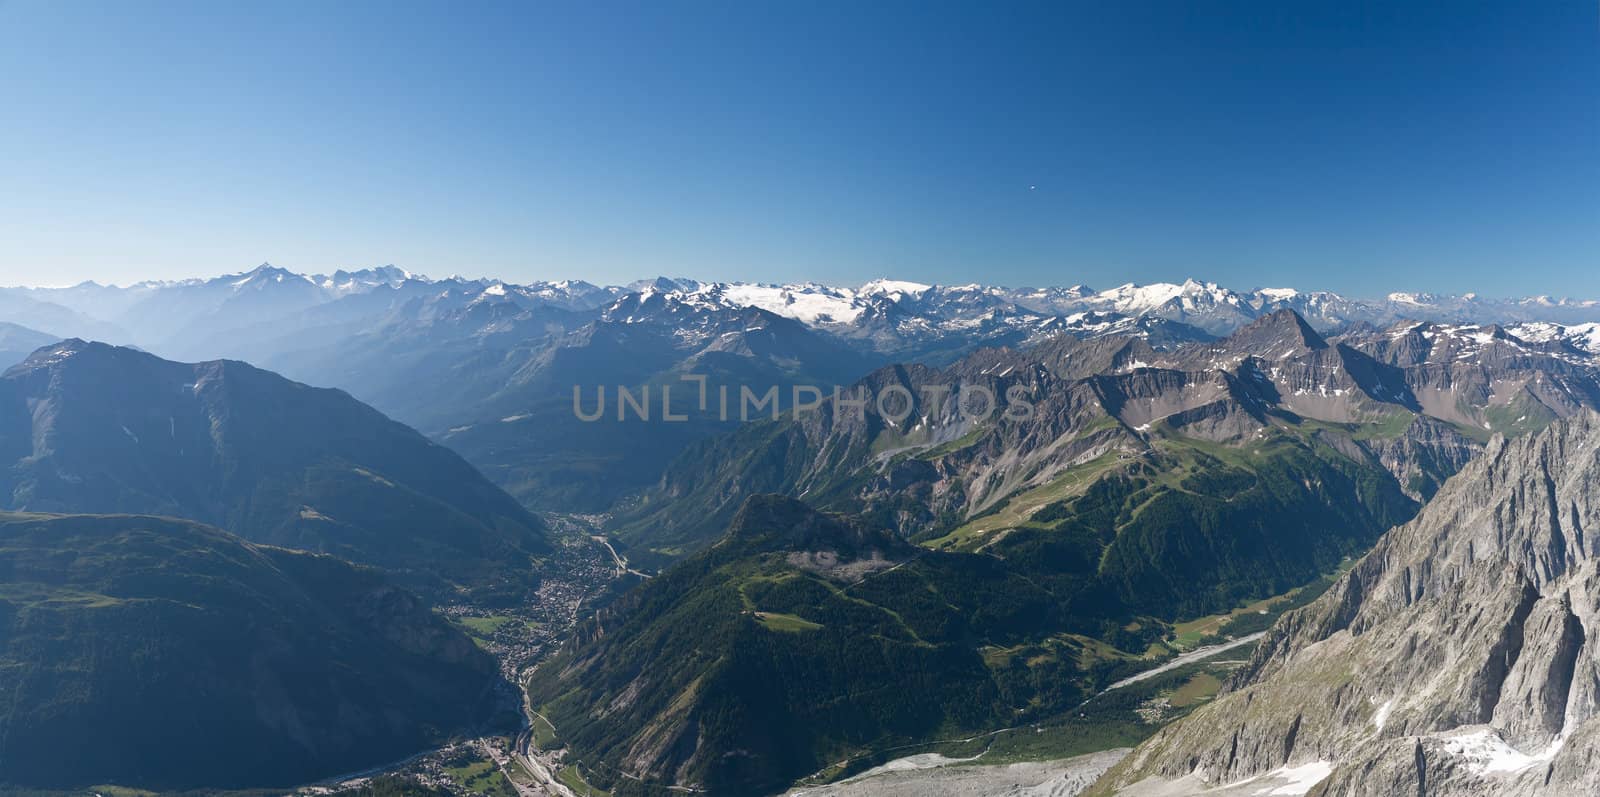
(891, 288)
(1582, 336)
(806, 304)
(1285, 781)
(1301, 778)
(1486, 751)
(1382, 717)
(1134, 299)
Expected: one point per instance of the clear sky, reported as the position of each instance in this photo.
(1363, 147)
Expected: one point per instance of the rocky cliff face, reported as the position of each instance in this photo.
(1457, 658)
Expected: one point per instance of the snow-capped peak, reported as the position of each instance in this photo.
(893, 288)
(1585, 337)
(809, 304)
(1135, 299)
(265, 273)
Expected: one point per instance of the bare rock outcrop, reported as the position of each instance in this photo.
(1459, 657)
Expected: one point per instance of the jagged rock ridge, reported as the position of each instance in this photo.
(1459, 657)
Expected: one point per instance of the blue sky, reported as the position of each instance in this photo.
(1363, 147)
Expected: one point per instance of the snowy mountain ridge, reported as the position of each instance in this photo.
(890, 313)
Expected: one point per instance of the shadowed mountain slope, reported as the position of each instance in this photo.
(165, 654)
(86, 427)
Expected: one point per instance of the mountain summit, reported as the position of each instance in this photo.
(1280, 334)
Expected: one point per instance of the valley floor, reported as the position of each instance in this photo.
(583, 569)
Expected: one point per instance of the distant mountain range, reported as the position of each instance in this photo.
(884, 315)
(488, 366)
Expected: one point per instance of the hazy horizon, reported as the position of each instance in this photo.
(1304, 288)
(1363, 149)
